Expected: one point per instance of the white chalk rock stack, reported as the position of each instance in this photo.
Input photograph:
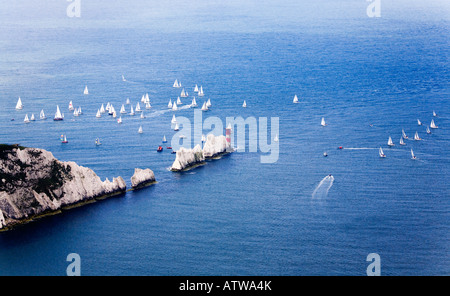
(142, 177)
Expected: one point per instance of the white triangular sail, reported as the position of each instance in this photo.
(434, 114)
(143, 99)
(75, 112)
(140, 130)
(174, 107)
(200, 92)
(322, 123)
(176, 127)
(32, 118)
(142, 115)
(108, 105)
(381, 153)
(183, 94)
(42, 115)
(79, 111)
(194, 103)
(295, 99)
(148, 106)
(276, 138)
(86, 91)
(119, 120)
(208, 103)
(175, 84)
(179, 101)
(418, 122)
(122, 109)
(244, 105)
(164, 139)
(204, 107)
(404, 135)
(170, 104)
(196, 88)
(416, 137)
(123, 78)
(70, 106)
(19, 105)
(174, 119)
(128, 101)
(432, 124)
(99, 114)
(428, 130)
(412, 154)
(390, 143)
(58, 115)
(26, 120)
(147, 98)
(138, 107)
(132, 110)
(401, 141)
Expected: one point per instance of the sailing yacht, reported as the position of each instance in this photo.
(244, 105)
(138, 107)
(170, 104)
(58, 116)
(64, 141)
(128, 101)
(194, 103)
(142, 115)
(390, 143)
(99, 114)
(200, 92)
(123, 78)
(32, 117)
(140, 131)
(418, 122)
(174, 119)
(382, 155)
(70, 106)
(122, 109)
(148, 106)
(176, 128)
(276, 138)
(26, 120)
(295, 99)
(179, 101)
(196, 88)
(432, 125)
(19, 105)
(412, 155)
(204, 107)
(75, 112)
(119, 120)
(322, 123)
(175, 84)
(42, 115)
(79, 111)
(208, 103)
(86, 91)
(404, 135)
(428, 130)
(434, 114)
(183, 94)
(147, 99)
(174, 107)
(164, 139)
(402, 142)
(143, 99)
(132, 111)
(416, 137)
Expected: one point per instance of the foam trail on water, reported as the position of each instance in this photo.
(324, 186)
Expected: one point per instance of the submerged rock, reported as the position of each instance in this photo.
(142, 178)
(33, 183)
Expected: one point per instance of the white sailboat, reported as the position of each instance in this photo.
(170, 104)
(26, 120)
(179, 101)
(70, 106)
(148, 106)
(114, 115)
(183, 94)
(122, 109)
(128, 101)
(208, 103)
(390, 143)
(42, 115)
(381, 153)
(276, 138)
(79, 111)
(142, 115)
(138, 107)
(244, 105)
(428, 130)
(174, 119)
(111, 110)
(416, 137)
(200, 92)
(432, 124)
(176, 128)
(418, 122)
(140, 131)
(132, 111)
(401, 141)
(164, 139)
(412, 155)
(108, 105)
(194, 103)
(58, 115)
(19, 105)
(295, 99)
(32, 118)
(123, 78)
(204, 107)
(99, 114)
(143, 99)
(434, 114)
(196, 88)
(75, 112)
(86, 91)
(147, 98)
(322, 123)
(404, 135)
(175, 84)
(174, 107)
(119, 120)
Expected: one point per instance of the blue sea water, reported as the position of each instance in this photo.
(368, 77)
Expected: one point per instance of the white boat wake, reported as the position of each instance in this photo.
(324, 186)
(161, 112)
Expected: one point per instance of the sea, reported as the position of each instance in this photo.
(369, 75)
